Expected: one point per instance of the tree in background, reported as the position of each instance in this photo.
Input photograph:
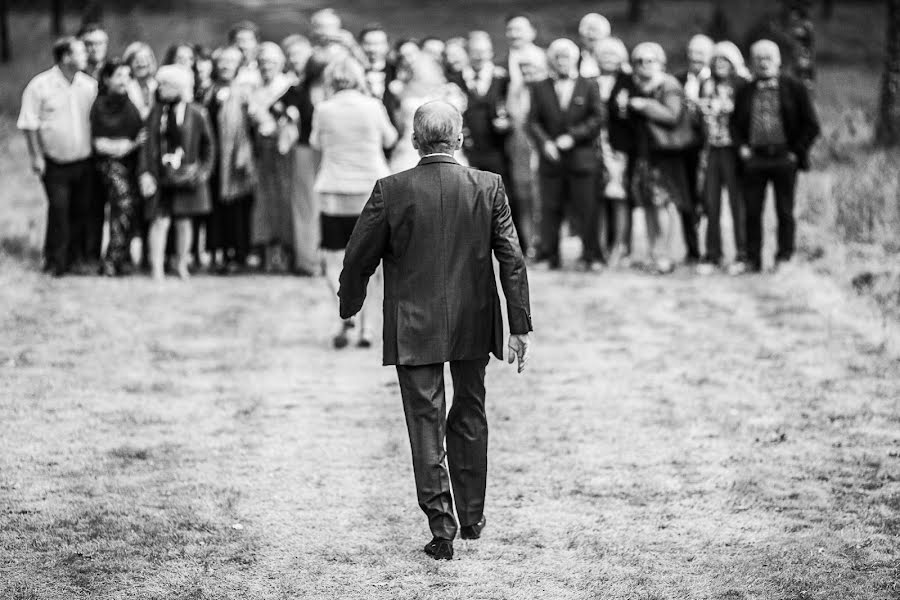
(888, 131)
(636, 10)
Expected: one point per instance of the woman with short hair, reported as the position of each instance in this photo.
(142, 88)
(274, 116)
(646, 110)
(352, 130)
(720, 172)
(175, 165)
(116, 127)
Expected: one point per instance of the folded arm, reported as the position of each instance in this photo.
(364, 251)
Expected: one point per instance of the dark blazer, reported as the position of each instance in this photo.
(798, 115)
(435, 227)
(188, 197)
(481, 138)
(582, 120)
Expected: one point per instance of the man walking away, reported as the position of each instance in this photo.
(435, 227)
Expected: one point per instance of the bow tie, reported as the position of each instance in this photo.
(767, 84)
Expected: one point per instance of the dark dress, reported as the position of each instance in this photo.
(180, 192)
(114, 116)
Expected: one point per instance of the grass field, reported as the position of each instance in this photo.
(686, 438)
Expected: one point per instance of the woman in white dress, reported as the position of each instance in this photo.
(427, 83)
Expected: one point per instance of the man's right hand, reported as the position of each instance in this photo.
(518, 349)
(38, 165)
(551, 151)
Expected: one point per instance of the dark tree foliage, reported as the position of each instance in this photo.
(888, 130)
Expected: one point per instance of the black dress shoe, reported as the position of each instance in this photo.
(472, 532)
(439, 549)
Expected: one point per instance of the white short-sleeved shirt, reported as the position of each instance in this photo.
(60, 112)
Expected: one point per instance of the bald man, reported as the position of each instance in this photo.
(774, 124)
(435, 228)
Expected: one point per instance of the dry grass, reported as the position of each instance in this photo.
(712, 438)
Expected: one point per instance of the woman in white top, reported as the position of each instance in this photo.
(352, 130)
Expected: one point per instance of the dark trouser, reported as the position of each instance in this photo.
(721, 172)
(497, 162)
(94, 227)
(777, 167)
(689, 216)
(229, 228)
(69, 188)
(466, 430)
(559, 190)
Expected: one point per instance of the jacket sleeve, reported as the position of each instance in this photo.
(739, 124)
(208, 152)
(513, 275)
(364, 251)
(535, 127)
(589, 128)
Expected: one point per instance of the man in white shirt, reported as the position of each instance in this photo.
(55, 118)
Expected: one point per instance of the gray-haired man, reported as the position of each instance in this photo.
(435, 227)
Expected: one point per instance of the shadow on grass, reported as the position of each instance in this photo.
(20, 248)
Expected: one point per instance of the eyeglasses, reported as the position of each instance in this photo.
(644, 61)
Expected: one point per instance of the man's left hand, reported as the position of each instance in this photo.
(518, 349)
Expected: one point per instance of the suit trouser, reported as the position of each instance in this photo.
(560, 189)
(688, 213)
(758, 172)
(466, 431)
(69, 188)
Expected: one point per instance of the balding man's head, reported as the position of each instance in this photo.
(765, 57)
(437, 128)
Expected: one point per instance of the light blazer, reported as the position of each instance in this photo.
(435, 227)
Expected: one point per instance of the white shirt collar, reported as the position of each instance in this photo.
(439, 154)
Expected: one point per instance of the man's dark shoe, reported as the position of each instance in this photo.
(472, 532)
(439, 549)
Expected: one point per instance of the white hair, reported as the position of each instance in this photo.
(730, 52)
(766, 47)
(651, 48)
(563, 46)
(437, 125)
(178, 76)
(701, 42)
(595, 21)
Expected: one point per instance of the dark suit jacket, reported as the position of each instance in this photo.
(582, 121)
(483, 144)
(798, 115)
(199, 145)
(434, 227)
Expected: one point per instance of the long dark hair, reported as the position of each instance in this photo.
(108, 70)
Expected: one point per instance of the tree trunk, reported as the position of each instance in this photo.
(5, 54)
(635, 11)
(888, 131)
(719, 28)
(56, 17)
(827, 9)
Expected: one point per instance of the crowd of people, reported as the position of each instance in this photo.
(260, 156)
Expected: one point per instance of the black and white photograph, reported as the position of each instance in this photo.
(272, 270)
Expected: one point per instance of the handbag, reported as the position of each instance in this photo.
(682, 135)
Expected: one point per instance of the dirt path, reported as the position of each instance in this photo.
(677, 438)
